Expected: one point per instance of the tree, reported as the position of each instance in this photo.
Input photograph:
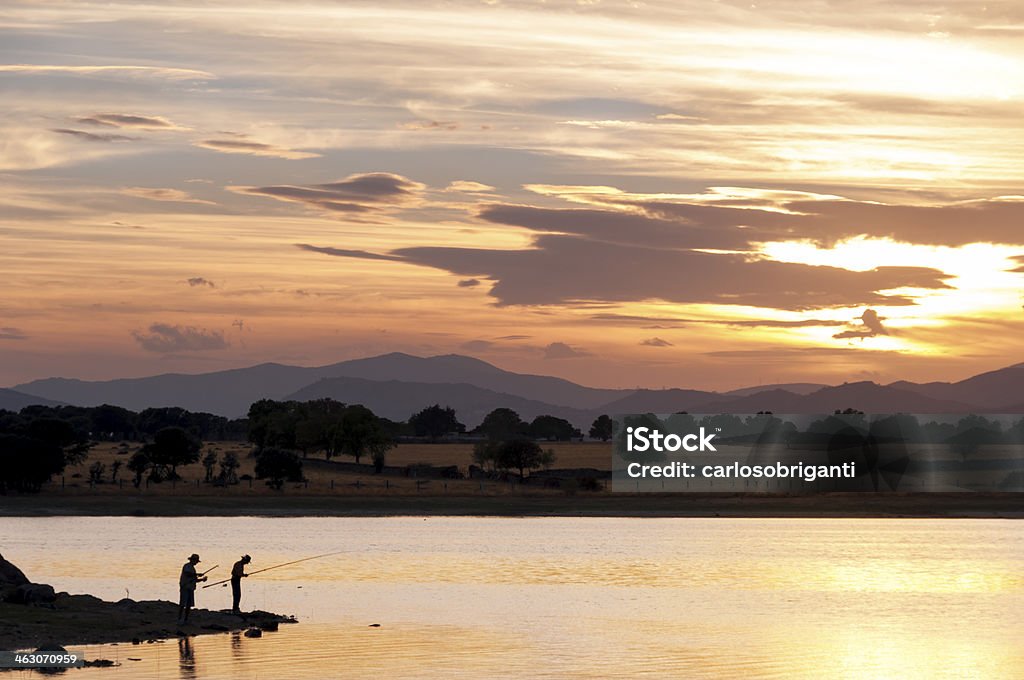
(209, 462)
(602, 428)
(362, 433)
(115, 467)
(522, 455)
(96, 472)
(501, 424)
(171, 447)
(435, 422)
(485, 454)
(138, 464)
(60, 433)
(277, 466)
(228, 468)
(26, 463)
(552, 429)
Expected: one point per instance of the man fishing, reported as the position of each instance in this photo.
(237, 574)
(187, 588)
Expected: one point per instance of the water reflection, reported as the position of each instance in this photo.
(574, 598)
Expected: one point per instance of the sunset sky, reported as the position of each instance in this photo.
(698, 194)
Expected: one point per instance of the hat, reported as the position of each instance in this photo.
(246, 557)
(194, 556)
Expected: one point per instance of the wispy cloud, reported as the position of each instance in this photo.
(130, 120)
(353, 194)
(254, 149)
(92, 136)
(170, 73)
(164, 194)
(165, 338)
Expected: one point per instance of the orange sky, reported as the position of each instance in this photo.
(700, 194)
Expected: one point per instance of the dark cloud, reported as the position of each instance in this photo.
(200, 281)
(570, 270)
(469, 283)
(128, 120)
(164, 338)
(354, 194)
(92, 136)
(656, 342)
(1020, 269)
(477, 345)
(341, 252)
(515, 337)
(9, 333)
(740, 222)
(560, 350)
(871, 325)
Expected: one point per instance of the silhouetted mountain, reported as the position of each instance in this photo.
(992, 389)
(660, 401)
(397, 399)
(10, 400)
(229, 393)
(794, 388)
(863, 396)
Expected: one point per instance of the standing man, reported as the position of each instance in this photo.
(237, 574)
(187, 587)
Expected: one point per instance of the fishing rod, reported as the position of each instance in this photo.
(276, 566)
(209, 570)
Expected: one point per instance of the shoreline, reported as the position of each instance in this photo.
(835, 505)
(87, 620)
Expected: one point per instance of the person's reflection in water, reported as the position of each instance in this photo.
(186, 658)
(236, 644)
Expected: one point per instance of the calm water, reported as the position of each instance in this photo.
(562, 597)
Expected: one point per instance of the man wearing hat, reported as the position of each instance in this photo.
(187, 587)
(237, 574)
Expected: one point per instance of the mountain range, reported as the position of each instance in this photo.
(397, 385)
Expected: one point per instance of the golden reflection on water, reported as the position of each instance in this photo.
(567, 597)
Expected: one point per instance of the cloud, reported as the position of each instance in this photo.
(9, 333)
(130, 120)
(560, 350)
(354, 194)
(871, 325)
(342, 252)
(430, 125)
(469, 283)
(131, 71)
(200, 281)
(656, 342)
(164, 338)
(569, 270)
(477, 345)
(92, 136)
(1020, 269)
(254, 149)
(515, 337)
(748, 323)
(468, 187)
(163, 194)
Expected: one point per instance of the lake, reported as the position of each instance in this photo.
(475, 597)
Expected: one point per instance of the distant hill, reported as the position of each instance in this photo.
(229, 393)
(397, 400)
(863, 396)
(992, 389)
(11, 400)
(660, 401)
(793, 388)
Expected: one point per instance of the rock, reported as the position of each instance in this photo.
(268, 626)
(374, 625)
(215, 626)
(98, 663)
(32, 593)
(253, 633)
(10, 575)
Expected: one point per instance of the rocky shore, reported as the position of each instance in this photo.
(33, 615)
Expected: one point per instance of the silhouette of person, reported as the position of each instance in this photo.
(237, 574)
(187, 588)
